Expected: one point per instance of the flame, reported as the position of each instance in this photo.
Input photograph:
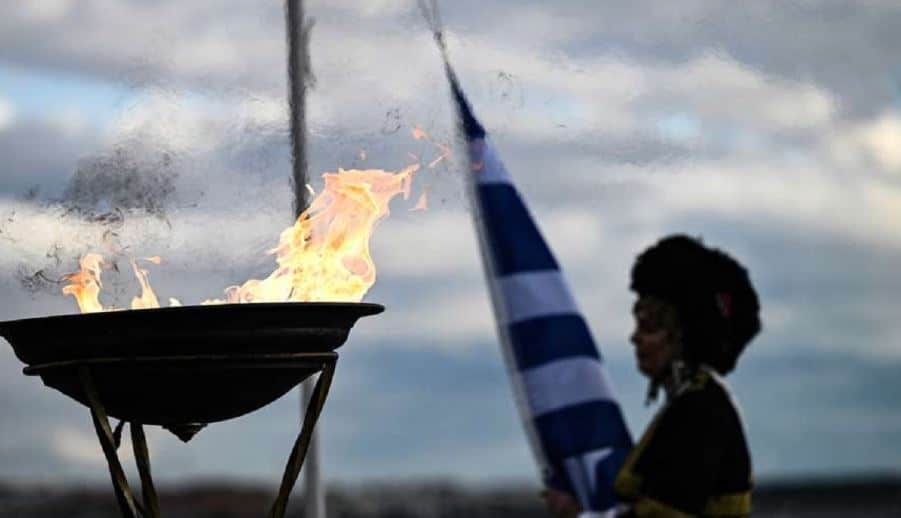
(422, 203)
(444, 149)
(85, 285)
(324, 256)
(147, 299)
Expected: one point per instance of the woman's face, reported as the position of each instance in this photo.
(656, 337)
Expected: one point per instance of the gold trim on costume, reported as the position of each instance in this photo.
(735, 504)
(648, 508)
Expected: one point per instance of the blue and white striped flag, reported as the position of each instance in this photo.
(574, 423)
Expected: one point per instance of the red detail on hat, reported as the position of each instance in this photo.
(724, 303)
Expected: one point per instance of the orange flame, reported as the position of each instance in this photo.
(422, 203)
(85, 285)
(444, 149)
(147, 299)
(324, 256)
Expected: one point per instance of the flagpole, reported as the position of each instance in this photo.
(299, 77)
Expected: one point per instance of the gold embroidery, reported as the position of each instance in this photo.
(735, 504)
(699, 380)
(649, 508)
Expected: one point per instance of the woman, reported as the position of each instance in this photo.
(696, 311)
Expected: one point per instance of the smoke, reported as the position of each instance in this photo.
(199, 173)
(123, 180)
(178, 170)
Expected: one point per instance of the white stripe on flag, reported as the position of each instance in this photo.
(535, 294)
(564, 383)
(612, 513)
(486, 163)
(582, 470)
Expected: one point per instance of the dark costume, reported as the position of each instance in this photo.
(693, 459)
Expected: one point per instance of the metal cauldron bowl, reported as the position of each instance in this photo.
(183, 367)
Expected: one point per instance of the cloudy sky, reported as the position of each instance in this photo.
(771, 129)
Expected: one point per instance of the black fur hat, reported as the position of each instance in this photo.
(717, 305)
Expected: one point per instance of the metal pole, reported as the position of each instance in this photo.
(303, 442)
(314, 491)
(299, 77)
(126, 500)
(142, 459)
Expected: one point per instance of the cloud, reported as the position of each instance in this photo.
(232, 44)
(80, 447)
(47, 11)
(70, 121)
(7, 114)
(723, 98)
(38, 154)
(871, 143)
(748, 125)
(718, 87)
(372, 9)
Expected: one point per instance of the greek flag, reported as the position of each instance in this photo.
(571, 416)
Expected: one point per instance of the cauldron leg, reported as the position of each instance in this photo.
(142, 459)
(295, 461)
(107, 443)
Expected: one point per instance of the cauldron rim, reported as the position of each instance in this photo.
(56, 347)
(366, 309)
(210, 329)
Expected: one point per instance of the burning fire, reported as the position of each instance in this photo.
(324, 256)
(85, 285)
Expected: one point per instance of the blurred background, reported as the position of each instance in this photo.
(770, 129)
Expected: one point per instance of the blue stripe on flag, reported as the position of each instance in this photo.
(605, 475)
(580, 428)
(515, 241)
(542, 340)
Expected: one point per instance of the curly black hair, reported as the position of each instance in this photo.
(717, 305)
